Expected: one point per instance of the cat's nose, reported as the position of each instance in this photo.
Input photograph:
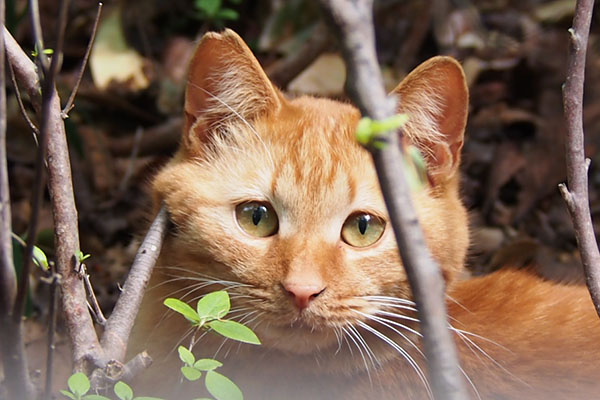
(302, 294)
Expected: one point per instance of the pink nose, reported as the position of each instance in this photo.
(303, 294)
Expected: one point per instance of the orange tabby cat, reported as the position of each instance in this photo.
(273, 200)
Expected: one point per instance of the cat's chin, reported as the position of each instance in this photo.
(298, 338)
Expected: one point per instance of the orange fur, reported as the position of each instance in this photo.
(519, 337)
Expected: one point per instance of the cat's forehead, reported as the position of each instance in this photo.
(319, 169)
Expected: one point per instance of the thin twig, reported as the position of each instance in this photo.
(352, 22)
(118, 326)
(51, 332)
(34, 129)
(576, 196)
(71, 101)
(139, 133)
(36, 25)
(92, 300)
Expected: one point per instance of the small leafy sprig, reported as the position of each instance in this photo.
(79, 386)
(209, 314)
(370, 132)
(220, 386)
(373, 134)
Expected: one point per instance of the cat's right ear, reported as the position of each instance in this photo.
(225, 83)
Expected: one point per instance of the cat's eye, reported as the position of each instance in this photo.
(362, 229)
(257, 218)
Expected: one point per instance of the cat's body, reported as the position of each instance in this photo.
(273, 200)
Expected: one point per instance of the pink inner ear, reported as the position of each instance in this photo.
(225, 83)
(435, 96)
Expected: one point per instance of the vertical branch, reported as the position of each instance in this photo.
(78, 320)
(353, 25)
(16, 373)
(54, 277)
(8, 280)
(576, 196)
(39, 177)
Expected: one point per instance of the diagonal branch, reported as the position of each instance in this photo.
(352, 22)
(576, 196)
(118, 326)
(71, 100)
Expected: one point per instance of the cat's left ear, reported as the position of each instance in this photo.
(436, 98)
(225, 83)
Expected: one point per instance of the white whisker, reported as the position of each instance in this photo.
(360, 351)
(403, 352)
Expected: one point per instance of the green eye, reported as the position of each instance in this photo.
(362, 229)
(257, 219)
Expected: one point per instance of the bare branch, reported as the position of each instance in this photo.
(119, 325)
(8, 279)
(576, 196)
(16, 373)
(54, 282)
(79, 323)
(352, 22)
(70, 102)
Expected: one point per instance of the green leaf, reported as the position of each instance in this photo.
(368, 130)
(210, 7)
(235, 330)
(228, 13)
(94, 397)
(183, 309)
(190, 373)
(388, 124)
(364, 131)
(186, 356)
(147, 398)
(207, 364)
(83, 257)
(123, 391)
(40, 259)
(68, 394)
(79, 384)
(214, 305)
(221, 387)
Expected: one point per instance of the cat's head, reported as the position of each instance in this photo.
(274, 199)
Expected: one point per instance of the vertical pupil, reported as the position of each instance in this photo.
(363, 223)
(258, 213)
